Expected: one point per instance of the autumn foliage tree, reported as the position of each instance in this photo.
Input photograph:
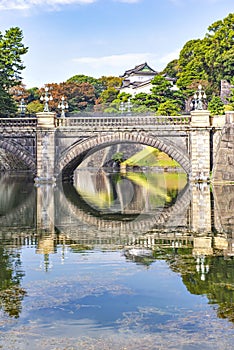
(79, 96)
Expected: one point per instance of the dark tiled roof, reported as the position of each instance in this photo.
(140, 70)
(135, 84)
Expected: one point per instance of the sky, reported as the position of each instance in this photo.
(105, 37)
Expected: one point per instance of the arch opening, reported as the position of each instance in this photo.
(74, 156)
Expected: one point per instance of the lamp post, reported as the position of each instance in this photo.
(129, 106)
(122, 107)
(22, 107)
(198, 99)
(63, 105)
(125, 106)
(46, 98)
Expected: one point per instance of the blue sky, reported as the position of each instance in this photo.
(105, 37)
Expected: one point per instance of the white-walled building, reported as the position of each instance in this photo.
(138, 80)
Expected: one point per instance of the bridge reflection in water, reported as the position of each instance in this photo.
(142, 218)
(143, 209)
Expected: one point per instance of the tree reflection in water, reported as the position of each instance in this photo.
(212, 275)
(11, 273)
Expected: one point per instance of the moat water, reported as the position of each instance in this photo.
(134, 261)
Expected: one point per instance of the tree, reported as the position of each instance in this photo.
(33, 94)
(108, 82)
(108, 95)
(144, 102)
(190, 64)
(161, 88)
(34, 107)
(219, 52)
(231, 100)
(11, 292)
(96, 83)
(168, 107)
(7, 104)
(18, 92)
(216, 106)
(209, 59)
(11, 50)
(80, 97)
(171, 69)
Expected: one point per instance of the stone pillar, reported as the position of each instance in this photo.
(201, 208)
(45, 147)
(200, 145)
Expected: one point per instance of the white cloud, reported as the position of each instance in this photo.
(193, 2)
(114, 61)
(129, 1)
(27, 4)
(118, 64)
(48, 4)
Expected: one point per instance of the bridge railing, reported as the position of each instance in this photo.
(119, 121)
(98, 122)
(18, 122)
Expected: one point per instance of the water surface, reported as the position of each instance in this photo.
(140, 261)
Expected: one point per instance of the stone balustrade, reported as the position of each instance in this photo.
(18, 122)
(120, 121)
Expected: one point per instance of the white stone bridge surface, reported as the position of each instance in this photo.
(52, 148)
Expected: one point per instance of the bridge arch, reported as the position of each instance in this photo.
(167, 217)
(75, 154)
(19, 152)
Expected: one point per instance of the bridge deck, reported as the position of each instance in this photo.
(94, 121)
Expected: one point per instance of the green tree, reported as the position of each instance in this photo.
(219, 51)
(144, 102)
(171, 69)
(34, 107)
(209, 59)
(216, 106)
(108, 82)
(161, 88)
(96, 83)
(108, 95)
(11, 65)
(231, 100)
(118, 157)
(168, 107)
(190, 64)
(11, 293)
(33, 94)
(8, 106)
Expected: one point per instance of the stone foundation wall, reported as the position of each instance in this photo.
(223, 169)
(224, 208)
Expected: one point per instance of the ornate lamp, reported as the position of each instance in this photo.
(46, 98)
(63, 105)
(22, 107)
(198, 99)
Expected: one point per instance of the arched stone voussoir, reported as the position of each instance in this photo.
(75, 154)
(20, 153)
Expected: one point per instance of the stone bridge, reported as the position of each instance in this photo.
(51, 148)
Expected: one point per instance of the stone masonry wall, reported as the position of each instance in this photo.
(224, 164)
